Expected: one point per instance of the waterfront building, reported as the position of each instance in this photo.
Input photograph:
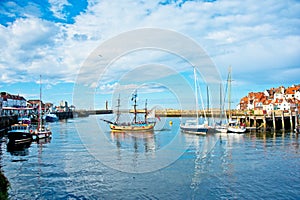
(12, 104)
(34, 103)
(280, 98)
(49, 107)
(15, 101)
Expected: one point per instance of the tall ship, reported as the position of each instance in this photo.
(146, 124)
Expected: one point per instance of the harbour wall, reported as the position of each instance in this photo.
(255, 120)
(80, 113)
(7, 121)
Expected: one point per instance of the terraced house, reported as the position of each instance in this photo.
(280, 98)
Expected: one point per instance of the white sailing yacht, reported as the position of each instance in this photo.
(193, 126)
(233, 125)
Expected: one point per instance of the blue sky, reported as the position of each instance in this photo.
(260, 40)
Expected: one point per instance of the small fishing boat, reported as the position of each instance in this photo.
(19, 134)
(193, 126)
(42, 132)
(135, 125)
(235, 127)
(49, 117)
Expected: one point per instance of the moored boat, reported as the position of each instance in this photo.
(41, 131)
(49, 117)
(193, 126)
(19, 134)
(235, 127)
(142, 126)
(24, 120)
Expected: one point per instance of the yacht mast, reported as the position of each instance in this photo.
(207, 96)
(196, 94)
(229, 91)
(40, 106)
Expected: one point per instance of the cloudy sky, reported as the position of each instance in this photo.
(260, 40)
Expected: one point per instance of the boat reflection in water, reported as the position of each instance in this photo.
(135, 141)
(43, 141)
(18, 149)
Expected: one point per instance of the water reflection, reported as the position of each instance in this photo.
(18, 149)
(135, 141)
(202, 147)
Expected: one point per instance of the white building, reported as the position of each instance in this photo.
(297, 95)
(268, 105)
(15, 101)
(278, 95)
(284, 105)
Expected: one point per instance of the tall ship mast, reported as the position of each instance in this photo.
(135, 125)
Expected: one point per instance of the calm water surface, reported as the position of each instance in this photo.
(249, 166)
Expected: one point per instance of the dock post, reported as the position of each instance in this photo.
(254, 122)
(291, 121)
(247, 121)
(296, 120)
(265, 123)
(282, 120)
(274, 122)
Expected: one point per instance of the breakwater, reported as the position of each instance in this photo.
(80, 113)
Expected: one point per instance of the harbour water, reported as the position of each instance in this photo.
(227, 166)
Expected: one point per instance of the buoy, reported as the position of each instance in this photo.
(171, 123)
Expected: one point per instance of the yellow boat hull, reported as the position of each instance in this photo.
(134, 127)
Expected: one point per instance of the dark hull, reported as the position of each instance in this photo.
(51, 119)
(194, 130)
(18, 138)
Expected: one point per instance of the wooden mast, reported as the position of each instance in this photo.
(134, 96)
(146, 112)
(118, 110)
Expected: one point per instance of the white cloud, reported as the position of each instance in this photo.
(57, 7)
(245, 34)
